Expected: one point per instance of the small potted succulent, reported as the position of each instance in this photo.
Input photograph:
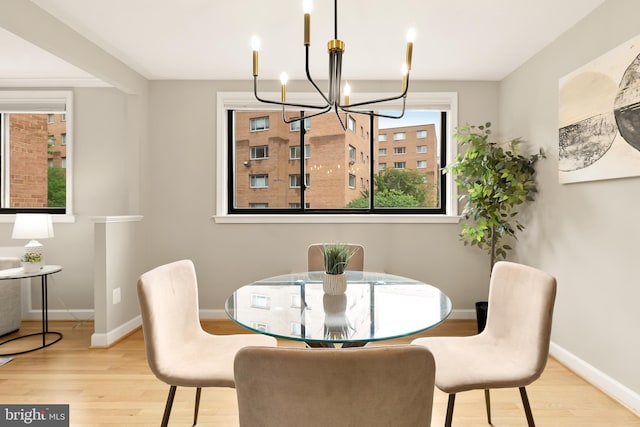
(336, 257)
(32, 262)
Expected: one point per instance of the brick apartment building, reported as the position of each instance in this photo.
(267, 158)
(36, 142)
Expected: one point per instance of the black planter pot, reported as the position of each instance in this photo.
(481, 314)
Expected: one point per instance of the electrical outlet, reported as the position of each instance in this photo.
(116, 296)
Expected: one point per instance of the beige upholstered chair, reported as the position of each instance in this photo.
(315, 259)
(179, 351)
(364, 387)
(512, 350)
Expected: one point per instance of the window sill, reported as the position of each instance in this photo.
(336, 219)
(56, 218)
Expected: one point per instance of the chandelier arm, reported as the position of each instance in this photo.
(306, 66)
(300, 118)
(374, 114)
(342, 123)
(287, 104)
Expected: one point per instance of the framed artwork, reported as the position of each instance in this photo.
(599, 117)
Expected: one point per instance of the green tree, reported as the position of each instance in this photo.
(409, 182)
(386, 199)
(57, 187)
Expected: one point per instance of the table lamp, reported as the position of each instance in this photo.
(33, 226)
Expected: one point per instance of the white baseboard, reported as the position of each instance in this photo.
(105, 340)
(599, 379)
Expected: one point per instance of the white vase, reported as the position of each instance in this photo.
(32, 267)
(334, 284)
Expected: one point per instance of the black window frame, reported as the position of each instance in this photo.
(426, 211)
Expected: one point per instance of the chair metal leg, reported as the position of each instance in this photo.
(527, 407)
(487, 401)
(449, 419)
(195, 414)
(167, 407)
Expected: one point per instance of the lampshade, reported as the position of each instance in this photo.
(32, 226)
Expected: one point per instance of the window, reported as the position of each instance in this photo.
(399, 136)
(294, 180)
(352, 124)
(294, 152)
(421, 149)
(352, 154)
(63, 117)
(259, 181)
(295, 126)
(338, 172)
(258, 205)
(382, 137)
(421, 164)
(259, 123)
(35, 173)
(259, 152)
(421, 134)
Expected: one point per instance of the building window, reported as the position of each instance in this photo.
(421, 149)
(399, 150)
(255, 205)
(352, 154)
(34, 163)
(421, 164)
(338, 173)
(294, 180)
(382, 137)
(352, 124)
(259, 152)
(259, 123)
(259, 181)
(295, 126)
(399, 136)
(421, 134)
(294, 152)
(63, 117)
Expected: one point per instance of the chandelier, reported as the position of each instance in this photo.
(333, 96)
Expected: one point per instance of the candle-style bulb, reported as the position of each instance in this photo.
(411, 36)
(306, 7)
(347, 92)
(283, 79)
(255, 46)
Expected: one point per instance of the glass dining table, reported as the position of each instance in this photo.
(375, 307)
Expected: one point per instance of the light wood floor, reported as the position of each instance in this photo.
(114, 387)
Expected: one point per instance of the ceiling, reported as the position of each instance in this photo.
(210, 39)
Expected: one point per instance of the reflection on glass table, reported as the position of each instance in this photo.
(375, 307)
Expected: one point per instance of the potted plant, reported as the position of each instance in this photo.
(496, 180)
(336, 257)
(32, 262)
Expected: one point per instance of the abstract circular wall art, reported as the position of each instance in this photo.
(599, 117)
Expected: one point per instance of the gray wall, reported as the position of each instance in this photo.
(583, 233)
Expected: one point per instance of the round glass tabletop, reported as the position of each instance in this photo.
(376, 306)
